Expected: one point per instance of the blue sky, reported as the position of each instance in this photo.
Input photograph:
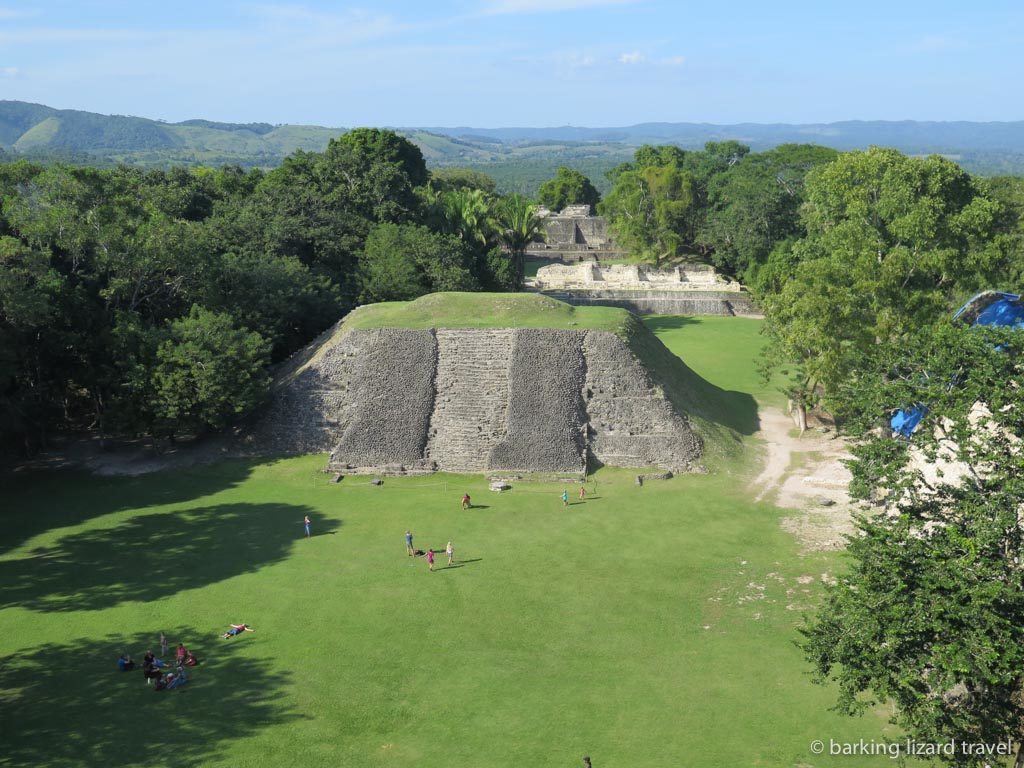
(489, 63)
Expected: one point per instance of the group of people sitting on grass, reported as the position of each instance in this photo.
(156, 670)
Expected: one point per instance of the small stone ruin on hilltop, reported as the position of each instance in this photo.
(688, 289)
(573, 234)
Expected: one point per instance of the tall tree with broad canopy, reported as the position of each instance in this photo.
(891, 241)
(650, 206)
(208, 372)
(568, 187)
(929, 617)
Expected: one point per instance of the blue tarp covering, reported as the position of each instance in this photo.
(991, 308)
(994, 309)
(905, 421)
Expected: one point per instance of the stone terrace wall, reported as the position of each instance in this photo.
(471, 406)
(392, 397)
(663, 302)
(632, 423)
(470, 400)
(545, 421)
(310, 403)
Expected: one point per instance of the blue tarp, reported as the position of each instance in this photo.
(990, 308)
(905, 421)
(993, 308)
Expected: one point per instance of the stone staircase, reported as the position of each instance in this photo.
(471, 404)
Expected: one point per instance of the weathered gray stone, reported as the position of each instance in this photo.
(545, 415)
(395, 401)
(393, 392)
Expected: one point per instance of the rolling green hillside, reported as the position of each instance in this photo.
(519, 159)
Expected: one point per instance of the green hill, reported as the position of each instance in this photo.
(519, 159)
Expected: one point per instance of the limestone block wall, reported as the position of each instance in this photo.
(655, 302)
(545, 418)
(471, 400)
(631, 422)
(310, 401)
(392, 398)
(471, 404)
(567, 230)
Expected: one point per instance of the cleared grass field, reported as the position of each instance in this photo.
(647, 626)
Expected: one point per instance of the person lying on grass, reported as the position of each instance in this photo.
(237, 629)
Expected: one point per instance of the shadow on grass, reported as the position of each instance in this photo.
(154, 555)
(460, 563)
(690, 392)
(66, 704)
(42, 500)
(669, 322)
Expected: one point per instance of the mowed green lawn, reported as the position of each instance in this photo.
(647, 626)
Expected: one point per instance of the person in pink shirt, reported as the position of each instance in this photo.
(180, 654)
(430, 559)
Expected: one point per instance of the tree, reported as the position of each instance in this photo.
(650, 206)
(404, 261)
(518, 226)
(446, 179)
(208, 372)
(277, 296)
(930, 615)
(568, 187)
(754, 203)
(891, 240)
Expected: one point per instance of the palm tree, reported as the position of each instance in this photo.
(518, 226)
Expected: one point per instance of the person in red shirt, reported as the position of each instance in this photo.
(180, 655)
(466, 503)
(430, 559)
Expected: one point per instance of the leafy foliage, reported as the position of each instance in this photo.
(930, 615)
(403, 261)
(568, 187)
(208, 371)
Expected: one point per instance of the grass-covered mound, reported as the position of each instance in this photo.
(487, 310)
(719, 417)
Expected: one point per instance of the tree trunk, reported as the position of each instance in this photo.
(800, 416)
(1019, 762)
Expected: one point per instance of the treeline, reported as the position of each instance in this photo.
(152, 302)
(843, 251)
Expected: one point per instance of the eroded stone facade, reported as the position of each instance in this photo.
(474, 400)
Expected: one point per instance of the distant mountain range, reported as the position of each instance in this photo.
(520, 154)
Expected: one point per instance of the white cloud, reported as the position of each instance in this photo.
(633, 57)
(9, 71)
(673, 61)
(502, 7)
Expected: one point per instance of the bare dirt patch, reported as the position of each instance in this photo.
(805, 473)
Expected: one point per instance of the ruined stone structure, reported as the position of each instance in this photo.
(689, 289)
(475, 400)
(573, 234)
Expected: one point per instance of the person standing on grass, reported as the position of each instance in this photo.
(583, 492)
(565, 498)
(466, 501)
(308, 525)
(408, 543)
(163, 644)
(430, 559)
(450, 551)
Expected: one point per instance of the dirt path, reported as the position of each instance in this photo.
(805, 474)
